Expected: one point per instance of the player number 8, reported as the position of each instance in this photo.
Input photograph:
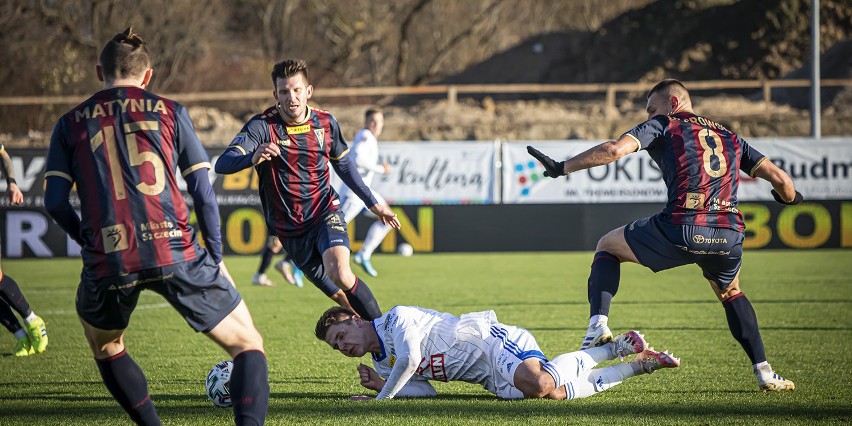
(714, 160)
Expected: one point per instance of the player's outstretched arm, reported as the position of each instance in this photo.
(386, 215)
(236, 158)
(598, 155)
(552, 168)
(783, 189)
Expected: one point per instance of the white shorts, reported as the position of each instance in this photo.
(351, 205)
(509, 348)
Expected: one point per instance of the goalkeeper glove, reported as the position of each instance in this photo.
(552, 168)
(796, 200)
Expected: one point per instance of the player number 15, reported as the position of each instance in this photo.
(136, 158)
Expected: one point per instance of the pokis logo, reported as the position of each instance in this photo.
(526, 175)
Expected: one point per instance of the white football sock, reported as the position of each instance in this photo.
(31, 317)
(599, 380)
(375, 235)
(597, 319)
(568, 367)
(763, 371)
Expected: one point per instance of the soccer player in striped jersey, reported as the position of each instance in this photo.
(31, 338)
(412, 345)
(291, 145)
(365, 149)
(700, 160)
(121, 148)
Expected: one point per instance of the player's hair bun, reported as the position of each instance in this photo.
(130, 38)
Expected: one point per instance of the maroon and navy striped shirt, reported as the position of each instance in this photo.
(295, 189)
(121, 148)
(700, 161)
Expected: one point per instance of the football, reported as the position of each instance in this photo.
(405, 249)
(218, 384)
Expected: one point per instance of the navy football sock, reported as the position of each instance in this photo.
(265, 259)
(250, 388)
(603, 282)
(126, 382)
(363, 301)
(743, 324)
(8, 318)
(12, 294)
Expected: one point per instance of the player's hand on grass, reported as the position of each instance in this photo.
(797, 199)
(265, 152)
(552, 168)
(370, 379)
(386, 215)
(15, 196)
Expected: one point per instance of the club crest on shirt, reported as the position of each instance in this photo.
(320, 134)
(115, 238)
(392, 361)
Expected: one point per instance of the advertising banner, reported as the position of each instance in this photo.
(822, 170)
(437, 173)
(29, 232)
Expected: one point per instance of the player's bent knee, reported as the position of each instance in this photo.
(533, 382)
(539, 386)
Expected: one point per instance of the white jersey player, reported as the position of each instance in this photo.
(411, 346)
(365, 149)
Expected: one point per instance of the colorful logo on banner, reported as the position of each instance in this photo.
(526, 175)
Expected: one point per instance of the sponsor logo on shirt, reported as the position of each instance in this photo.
(694, 201)
(115, 238)
(438, 371)
(700, 239)
(239, 139)
(298, 130)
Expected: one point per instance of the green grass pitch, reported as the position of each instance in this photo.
(803, 300)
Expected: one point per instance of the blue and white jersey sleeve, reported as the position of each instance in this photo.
(406, 338)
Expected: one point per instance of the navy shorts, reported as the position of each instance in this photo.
(306, 251)
(194, 288)
(660, 245)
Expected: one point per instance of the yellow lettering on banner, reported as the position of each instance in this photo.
(422, 240)
(237, 181)
(846, 225)
(756, 218)
(237, 239)
(787, 226)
